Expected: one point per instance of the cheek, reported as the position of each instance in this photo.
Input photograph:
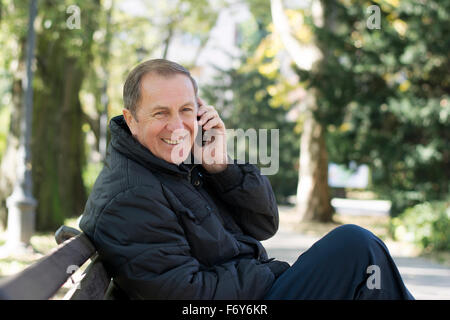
(152, 133)
(146, 134)
(192, 124)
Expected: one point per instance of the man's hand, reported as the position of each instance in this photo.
(214, 152)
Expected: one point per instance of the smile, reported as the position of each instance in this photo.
(172, 142)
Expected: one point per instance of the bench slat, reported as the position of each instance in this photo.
(41, 280)
(94, 284)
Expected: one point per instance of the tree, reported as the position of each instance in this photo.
(75, 55)
(63, 56)
(383, 95)
(377, 96)
(241, 98)
(313, 196)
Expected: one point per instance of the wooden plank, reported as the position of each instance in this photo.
(41, 280)
(64, 233)
(94, 283)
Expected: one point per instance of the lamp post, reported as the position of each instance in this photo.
(103, 134)
(21, 204)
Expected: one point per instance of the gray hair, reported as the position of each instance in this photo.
(162, 67)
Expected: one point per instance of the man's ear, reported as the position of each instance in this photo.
(129, 119)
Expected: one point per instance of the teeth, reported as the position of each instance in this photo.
(172, 141)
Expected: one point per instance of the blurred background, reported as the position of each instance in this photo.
(359, 90)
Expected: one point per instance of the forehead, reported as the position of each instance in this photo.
(170, 87)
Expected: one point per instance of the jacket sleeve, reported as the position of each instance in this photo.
(243, 188)
(145, 249)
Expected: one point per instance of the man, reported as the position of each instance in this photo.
(167, 228)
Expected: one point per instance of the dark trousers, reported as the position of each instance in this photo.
(350, 262)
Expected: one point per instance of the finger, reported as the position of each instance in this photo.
(205, 117)
(203, 109)
(212, 123)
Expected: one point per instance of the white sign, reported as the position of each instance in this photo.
(353, 177)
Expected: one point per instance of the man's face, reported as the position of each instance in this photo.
(166, 118)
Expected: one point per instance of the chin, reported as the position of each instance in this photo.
(169, 154)
(177, 161)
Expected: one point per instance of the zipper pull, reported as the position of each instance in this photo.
(190, 174)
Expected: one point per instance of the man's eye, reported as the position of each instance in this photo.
(187, 109)
(158, 114)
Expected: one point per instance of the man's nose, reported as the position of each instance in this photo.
(175, 122)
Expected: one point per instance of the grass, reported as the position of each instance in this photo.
(4, 127)
(41, 244)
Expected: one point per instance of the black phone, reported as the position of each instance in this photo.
(200, 137)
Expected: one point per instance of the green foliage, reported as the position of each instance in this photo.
(261, 13)
(242, 96)
(63, 57)
(384, 95)
(4, 124)
(426, 224)
(242, 99)
(73, 67)
(90, 174)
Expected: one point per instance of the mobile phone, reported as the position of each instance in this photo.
(199, 138)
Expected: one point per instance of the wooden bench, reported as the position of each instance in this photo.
(43, 279)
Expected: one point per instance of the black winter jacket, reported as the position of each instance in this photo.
(176, 232)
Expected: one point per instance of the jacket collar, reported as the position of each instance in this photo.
(125, 143)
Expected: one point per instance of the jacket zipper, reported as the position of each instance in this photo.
(190, 174)
(209, 206)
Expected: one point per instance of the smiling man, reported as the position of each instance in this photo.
(167, 116)
(170, 112)
(167, 228)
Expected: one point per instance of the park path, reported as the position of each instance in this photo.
(425, 279)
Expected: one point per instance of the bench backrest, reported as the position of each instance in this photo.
(43, 279)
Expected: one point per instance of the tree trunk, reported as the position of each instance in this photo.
(58, 147)
(313, 196)
(167, 41)
(57, 140)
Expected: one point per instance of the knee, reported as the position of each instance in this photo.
(355, 238)
(354, 231)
